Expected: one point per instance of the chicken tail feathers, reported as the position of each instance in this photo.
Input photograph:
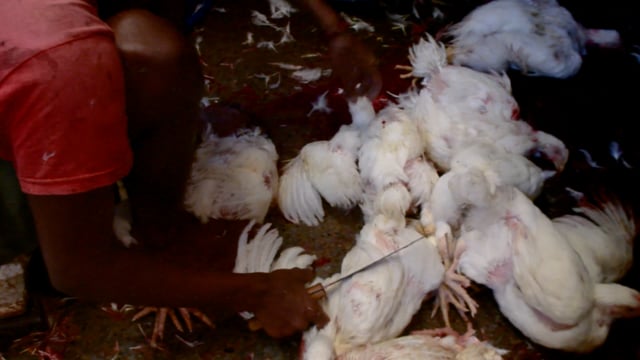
(614, 218)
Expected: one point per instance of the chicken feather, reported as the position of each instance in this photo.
(603, 237)
(259, 254)
(297, 198)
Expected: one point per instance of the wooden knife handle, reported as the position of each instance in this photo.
(316, 292)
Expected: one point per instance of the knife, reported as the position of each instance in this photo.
(318, 291)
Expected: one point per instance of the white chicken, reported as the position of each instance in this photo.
(427, 344)
(502, 168)
(452, 290)
(475, 174)
(538, 37)
(396, 175)
(610, 301)
(377, 304)
(489, 167)
(510, 220)
(459, 106)
(233, 177)
(325, 169)
(538, 279)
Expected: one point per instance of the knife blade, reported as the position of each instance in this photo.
(322, 288)
(318, 291)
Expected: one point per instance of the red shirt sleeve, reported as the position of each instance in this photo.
(67, 127)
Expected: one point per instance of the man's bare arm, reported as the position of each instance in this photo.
(85, 260)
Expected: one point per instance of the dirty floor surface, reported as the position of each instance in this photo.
(587, 112)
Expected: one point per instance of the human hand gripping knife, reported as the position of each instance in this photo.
(318, 291)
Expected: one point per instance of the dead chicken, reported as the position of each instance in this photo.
(233, 177)
(502, 168)
(538, 37)
(428, 344)
(539, 281)
(477, 171)
(377, 304)
(486, 167)
(399, 179)
(511, 221)
(395, 173)
(611, 301)
(457, 107)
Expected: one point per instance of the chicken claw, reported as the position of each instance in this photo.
(453, 288)
(161, 316)
(408, 68)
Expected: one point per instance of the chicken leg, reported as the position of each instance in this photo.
(453, 287)
(161, 316)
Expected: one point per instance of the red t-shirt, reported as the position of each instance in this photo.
(62, 102)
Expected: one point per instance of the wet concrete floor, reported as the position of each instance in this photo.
(587, 112)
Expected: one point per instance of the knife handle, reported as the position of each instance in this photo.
(316, 292)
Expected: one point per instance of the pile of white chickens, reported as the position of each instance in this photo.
(445, 163)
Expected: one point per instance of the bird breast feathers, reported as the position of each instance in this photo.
(549, 272)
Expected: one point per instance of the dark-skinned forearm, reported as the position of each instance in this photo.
(135, 277)
(85, 260)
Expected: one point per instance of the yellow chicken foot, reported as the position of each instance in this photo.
(186, 312)
(161, 316)
(453, 288)
(405, 67)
